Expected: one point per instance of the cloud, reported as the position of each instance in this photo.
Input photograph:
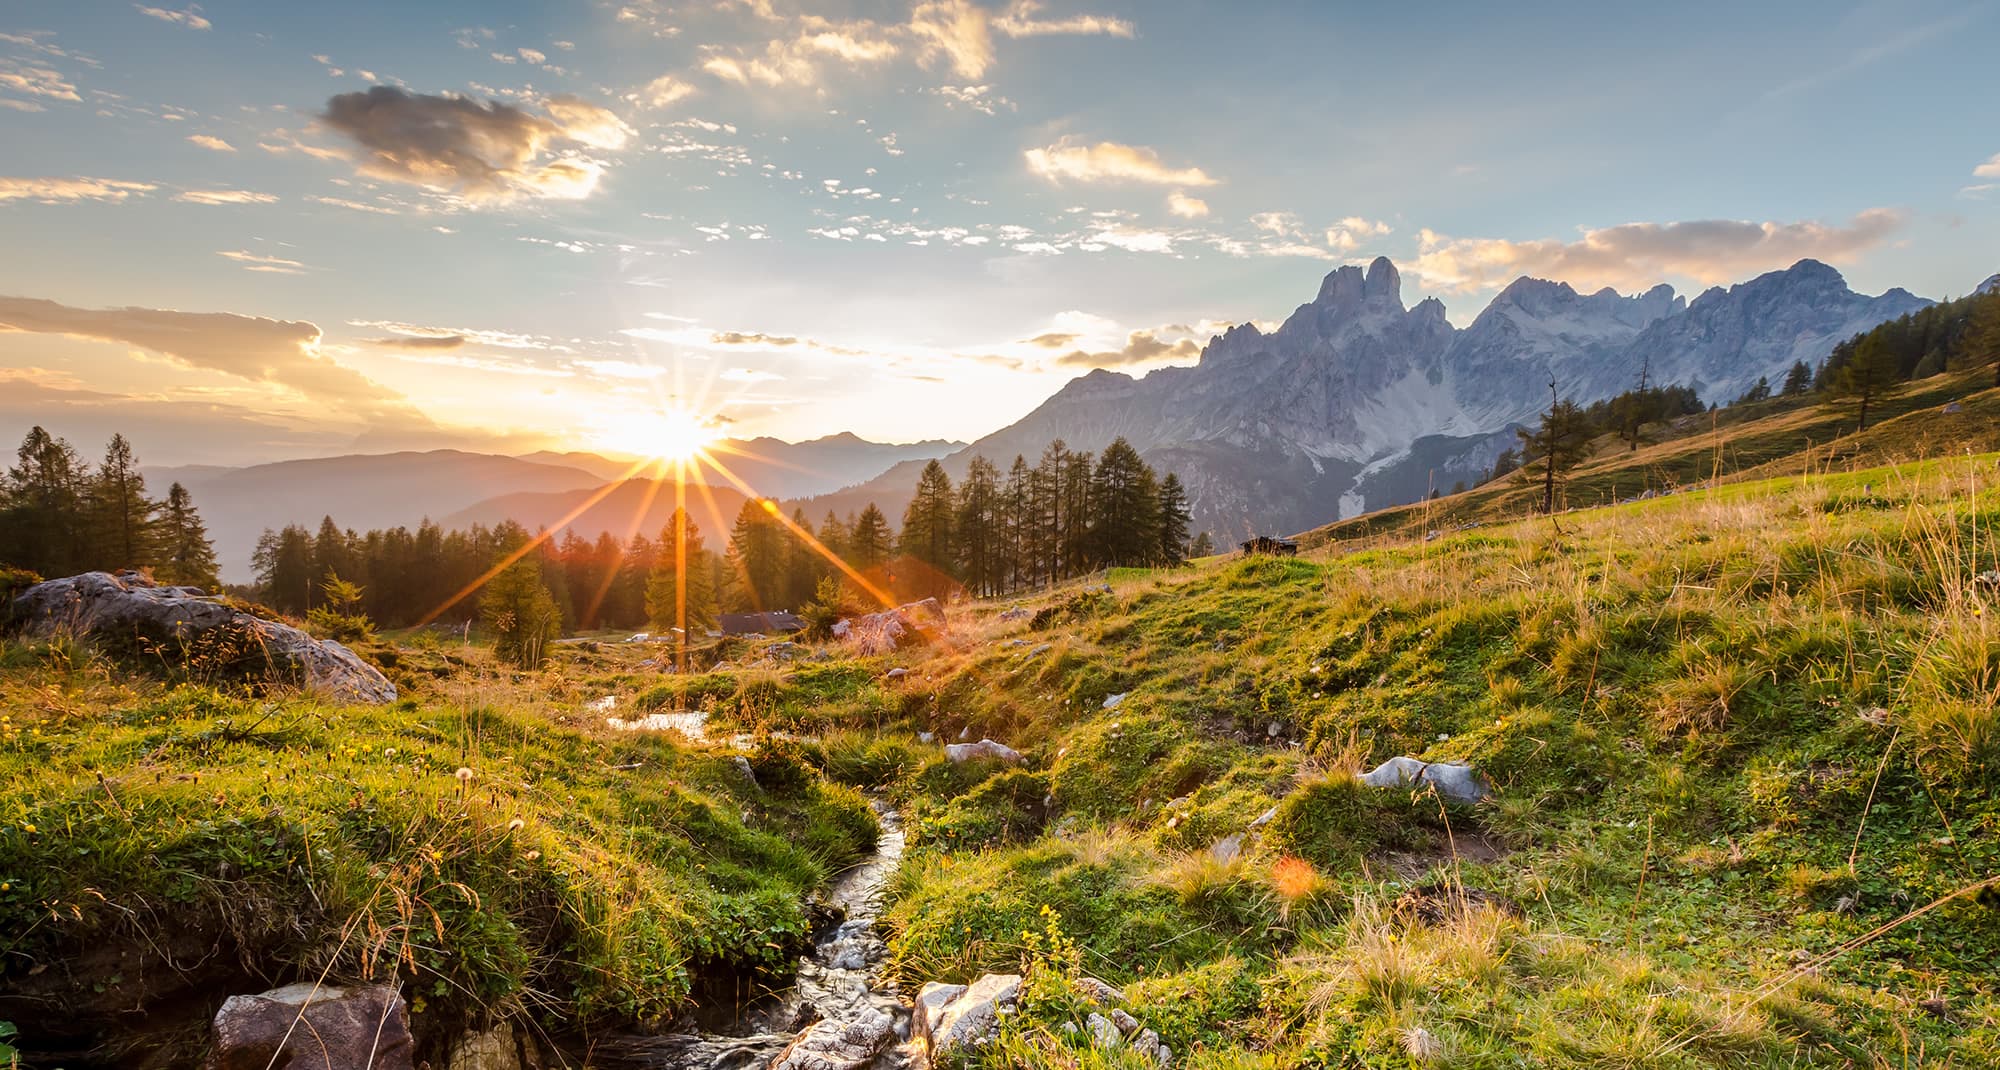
(189, 16)
(1989, 169)
(979, 98)
(1634, 256)
(207, 141)
(1019, 21)
(1141, 347)
(224, 196)
(748, 375)
(798, 61)
(1348, 234)
(1053, 340)
(421, 342)
(420, 336)
(1131, 240)
(61, 190)
(1185, 206)
(750, 338)
(35, 81)
(664, 91)
(283, 353)
(1108, 161)
(485, 151)
(272, 265)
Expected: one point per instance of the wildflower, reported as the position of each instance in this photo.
(516, 825)
(464, 775)
(533, 855)
(29, 829)
(389, 752)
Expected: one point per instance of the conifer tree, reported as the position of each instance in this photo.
(869, 543)
(284, 564)
(520, 614)
(1173, 522)
(1203, 546)
(979, 529)
(927, 524)
(1554, 448)
(121, 516)
(45, 507)
(1797, 381)
(1018, 527)
(1124, 508)
(1870, 370)
(663, 599)
(186, 556)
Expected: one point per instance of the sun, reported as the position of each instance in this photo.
(672, 434)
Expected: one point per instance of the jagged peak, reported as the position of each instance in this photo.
(1383, 282)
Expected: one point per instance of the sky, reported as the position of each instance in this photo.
(242, 232)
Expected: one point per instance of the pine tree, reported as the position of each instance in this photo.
(1797, 381)
(1203, 546)
(1558, 445)
(45, 515)
(186, 557)
(927, 524)
(1982, 335)
(121, 516)
(663, 599)
(330, 555)
(1173, 522)
(1017, 525)
(804, 567)
(520, 613)
(869, 543)
(756, 546)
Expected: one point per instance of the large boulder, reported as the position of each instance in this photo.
(905, 625)
(307, 1025)
(956, 1017)
(132, 616)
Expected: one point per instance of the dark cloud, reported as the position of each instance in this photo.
(1140, 348)
(420, 342)
(281, 352)
(484, 150)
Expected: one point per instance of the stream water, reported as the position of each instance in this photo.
(841, 1015)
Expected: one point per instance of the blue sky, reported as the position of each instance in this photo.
(246, 231)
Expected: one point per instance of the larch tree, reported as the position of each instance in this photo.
(1173, 522)
(121, 516)
(1555, 447)
(692, 569)
(980, 533)
(870, 541)
(45, 507)
(927, 527)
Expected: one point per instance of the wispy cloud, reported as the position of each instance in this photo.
(1109, 161)
(62, 190)
(216, 197)
(270, 265)
(1637, 255)
(35, 81)
(209, 141)
(1989, 169)
(1185, 206)
(189, 16)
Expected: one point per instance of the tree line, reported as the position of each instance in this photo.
(60, 515)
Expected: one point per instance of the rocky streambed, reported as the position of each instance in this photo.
(843, 1013)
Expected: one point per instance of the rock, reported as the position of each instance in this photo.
(1227, 849)
(985, 748)
(1265, 818)
(1147, 1045)
(690, 723)
(1008, 616)
(305, 1025)
(1103, 1032)
(831, 1045)
(1126, 1024)
(499, 1048)
(1099, 993)
(1111, 702)
(905, 625)
(1457, 783)
(128, 612)
(742, 765)
(896, 673)
(971, 1017)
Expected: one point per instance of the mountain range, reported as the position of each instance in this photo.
(1354, 402)
(455, 487)
(1357, 401)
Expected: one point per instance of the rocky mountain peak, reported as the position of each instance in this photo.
(1348, 286)
(1990, 286)
(1384, 283)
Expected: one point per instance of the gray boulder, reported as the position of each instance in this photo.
(956, 1017)
(833, 1045)
(905, 625)
(362, 1028)
(130, 615)
(1453, 781)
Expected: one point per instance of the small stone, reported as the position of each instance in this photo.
(1265, 818)
(1103, 1034)
(896, 673)
(1111, 702)
(1126, 1024)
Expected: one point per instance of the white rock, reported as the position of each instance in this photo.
(985, 748)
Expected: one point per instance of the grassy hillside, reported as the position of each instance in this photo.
(1743, 744)
(1780, 436)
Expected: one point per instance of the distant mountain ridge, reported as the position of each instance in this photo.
(364, 491)
(1356, 401)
